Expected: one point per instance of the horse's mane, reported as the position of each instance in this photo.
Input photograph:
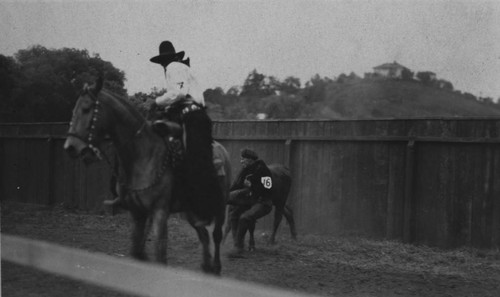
(121, 104)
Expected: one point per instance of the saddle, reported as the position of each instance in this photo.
(173, 115)
(172, 132)
(166, 128)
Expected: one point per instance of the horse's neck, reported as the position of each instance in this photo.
(139, 150)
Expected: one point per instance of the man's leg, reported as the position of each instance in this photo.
(235, 209)
(234, 215)
(246, 220)
(117, 200)
(167, 128)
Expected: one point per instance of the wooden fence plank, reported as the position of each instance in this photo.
(127, 275)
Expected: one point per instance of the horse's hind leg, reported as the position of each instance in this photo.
(251, 240)
(287, 211)
(278, 216)
(139, 236)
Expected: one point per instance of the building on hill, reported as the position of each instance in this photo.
(390, 70)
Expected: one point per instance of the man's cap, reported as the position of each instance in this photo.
(249, 154)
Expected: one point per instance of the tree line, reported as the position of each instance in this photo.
(41, 85)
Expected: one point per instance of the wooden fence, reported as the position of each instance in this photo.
(425, 181)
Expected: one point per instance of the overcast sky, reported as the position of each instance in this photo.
(226, 40)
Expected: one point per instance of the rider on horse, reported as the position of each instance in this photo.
(183, 113)
(185, 117)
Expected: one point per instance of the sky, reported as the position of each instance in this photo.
(226, 40)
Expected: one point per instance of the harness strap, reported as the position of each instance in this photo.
(172, 157)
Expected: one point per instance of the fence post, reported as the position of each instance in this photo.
(409, 205)
(2, 166)
(288, 153)
(51, 160)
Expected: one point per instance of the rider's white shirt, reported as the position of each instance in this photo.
(179, 83)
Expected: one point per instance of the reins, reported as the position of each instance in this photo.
(90, 138)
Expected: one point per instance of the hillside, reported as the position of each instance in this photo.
(365, 99)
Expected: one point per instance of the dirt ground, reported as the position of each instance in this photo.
(328, 266)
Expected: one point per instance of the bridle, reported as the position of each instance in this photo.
(90, 141)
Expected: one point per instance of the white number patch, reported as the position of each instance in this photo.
(267, 182)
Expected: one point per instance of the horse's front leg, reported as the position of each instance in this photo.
(227, 228)
(138, 235)
(160, 218)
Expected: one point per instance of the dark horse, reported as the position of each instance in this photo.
(146, 176)
(282, 182)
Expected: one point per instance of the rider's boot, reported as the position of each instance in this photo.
(114, 203)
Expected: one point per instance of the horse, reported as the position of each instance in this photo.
(282, 182)
(146, 177)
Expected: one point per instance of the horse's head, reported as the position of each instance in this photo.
(87, 127)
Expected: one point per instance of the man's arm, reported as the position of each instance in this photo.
(261, 180)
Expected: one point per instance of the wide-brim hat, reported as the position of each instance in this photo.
(167, 54)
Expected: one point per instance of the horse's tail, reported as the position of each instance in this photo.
(282, 182)
(205, 196)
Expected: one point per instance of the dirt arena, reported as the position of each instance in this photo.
(327, 266)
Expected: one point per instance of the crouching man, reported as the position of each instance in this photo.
(250, 198)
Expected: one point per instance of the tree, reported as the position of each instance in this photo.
(425, 77)
(215, 96)
(444, 84)
(486, 100)
(143, 102)
(47, 82)
(257, 85)
(342, 78)
(283, 107)
(353, 77)
(316, 87)
(10, 76)
(291, 85)
(407, 74)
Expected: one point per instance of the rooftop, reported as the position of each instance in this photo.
(390, 66)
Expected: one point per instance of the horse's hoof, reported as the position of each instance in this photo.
(236, 253)
(140, 257)
(217, 270)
